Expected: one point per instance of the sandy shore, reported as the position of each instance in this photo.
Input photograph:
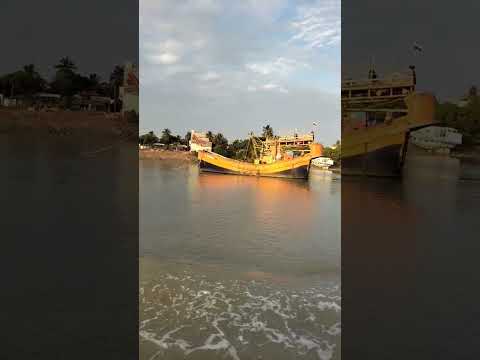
(177, 156)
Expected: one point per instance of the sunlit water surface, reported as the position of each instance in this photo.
(238, 267)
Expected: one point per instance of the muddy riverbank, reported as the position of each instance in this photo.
(167, 155)
(68, 124)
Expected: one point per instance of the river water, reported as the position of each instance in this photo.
(238, 267)
(69, 240)
(410, 263)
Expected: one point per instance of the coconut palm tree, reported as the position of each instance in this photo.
(166, 136)
(116, 76)
(30, 79)
(267, 131)
(116, 80)
(210, 136)
(30, 70)
(94, 80)
(66, 64)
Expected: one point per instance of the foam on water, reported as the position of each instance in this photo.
(238, 319)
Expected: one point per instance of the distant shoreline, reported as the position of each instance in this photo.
(169, 155)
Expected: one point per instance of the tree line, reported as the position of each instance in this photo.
(67, 81)
(333, 152)
(463, 117)
(166, 138)
(236, 149)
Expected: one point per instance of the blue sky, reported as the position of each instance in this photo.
(235, 66)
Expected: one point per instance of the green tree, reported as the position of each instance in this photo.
(175, 139)
(188, 136)
(66, 64)
(220, 144)
(465, 118)
(238, 149)
(473, 91)
(94, 81)
(447, 113)
(66, 80)
(23, 82)
(267, 131)
(148, 139)
(116, 80)
(116, 76)
(166, 137)
(333, 152)
(219, 149)
(210, 136)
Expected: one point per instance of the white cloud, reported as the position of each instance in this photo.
(280, 66)
(227, 57)
(275, 87)
(319, 25)
(165, 52)
(164, 59)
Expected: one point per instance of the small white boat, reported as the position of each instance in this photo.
(436, 138)
(322, 162)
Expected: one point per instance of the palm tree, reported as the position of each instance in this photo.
(219, 139)
(30, 79)
(66, 64)
(116, 76)
(148, 139)
(210, 136)
(94, 79)
(116, 80)
(166, 136)
(267, 131)
(30, 70)
(472, 92)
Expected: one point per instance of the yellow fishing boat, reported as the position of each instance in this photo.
(378, 116)
(287, 157)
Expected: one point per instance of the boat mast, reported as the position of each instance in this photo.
(371, 73)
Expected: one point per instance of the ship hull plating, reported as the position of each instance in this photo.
(386, 161)
(300, 172)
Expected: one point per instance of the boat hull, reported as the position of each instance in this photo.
(380, 150)
(300, 172)
(296, 168)
(385, 162)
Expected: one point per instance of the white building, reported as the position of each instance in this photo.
(199, 142)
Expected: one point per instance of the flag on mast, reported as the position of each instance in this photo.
(417, 47)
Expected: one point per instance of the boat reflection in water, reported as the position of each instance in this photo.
(262, 194)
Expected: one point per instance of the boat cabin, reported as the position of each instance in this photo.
(371, 101)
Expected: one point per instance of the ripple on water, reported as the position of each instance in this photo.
(188, 315)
